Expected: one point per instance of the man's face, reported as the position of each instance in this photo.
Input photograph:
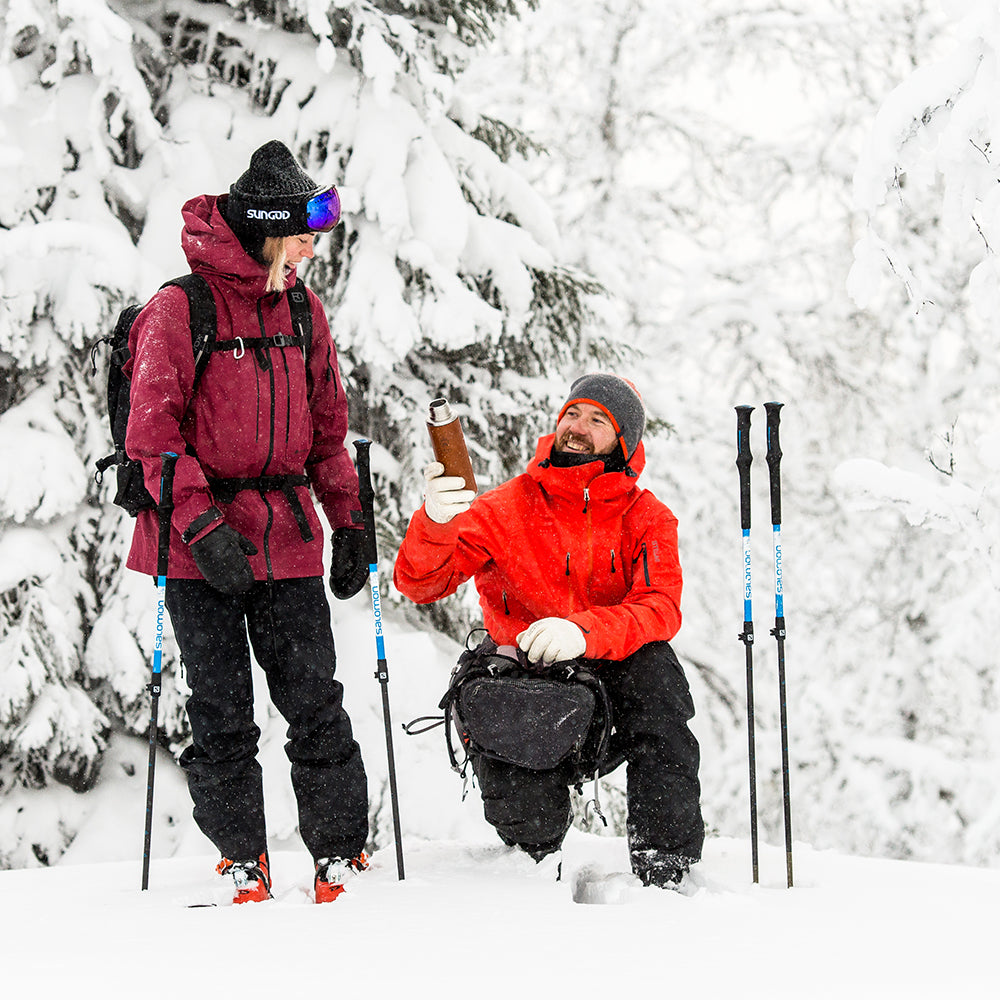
(585, 429)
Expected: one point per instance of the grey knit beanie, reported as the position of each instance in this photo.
(619, 399)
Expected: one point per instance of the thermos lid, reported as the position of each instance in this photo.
(440, 411)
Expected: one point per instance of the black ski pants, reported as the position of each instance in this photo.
(651, 705)
(287, 623)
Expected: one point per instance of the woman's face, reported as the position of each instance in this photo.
(298, 248)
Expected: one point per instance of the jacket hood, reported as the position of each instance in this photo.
(572, 481)
(211, 248)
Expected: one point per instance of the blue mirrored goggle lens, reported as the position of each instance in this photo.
(323, 211)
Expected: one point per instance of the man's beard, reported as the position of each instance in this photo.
(615, 462)
(587, 447)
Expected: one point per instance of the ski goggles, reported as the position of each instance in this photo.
(323, 211)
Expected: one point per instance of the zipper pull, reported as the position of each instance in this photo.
(586, 498)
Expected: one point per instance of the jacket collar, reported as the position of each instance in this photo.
(211, 248)
(573, 481)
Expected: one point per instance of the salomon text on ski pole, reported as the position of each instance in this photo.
(165, 509)
(744, 458)
(774, 468)
(366, 494)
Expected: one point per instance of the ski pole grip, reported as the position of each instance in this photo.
(164, 510)
(365, 490)
(168, 460)
(366, 494)
(773, 411)
(743, 461)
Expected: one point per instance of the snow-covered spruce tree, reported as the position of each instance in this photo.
(67, 85)
(926, 186)
(727, 137)
(444, 279)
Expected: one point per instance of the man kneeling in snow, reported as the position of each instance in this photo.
(573, 561)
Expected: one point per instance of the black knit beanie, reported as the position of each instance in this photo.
(620, 401)
(269, 199)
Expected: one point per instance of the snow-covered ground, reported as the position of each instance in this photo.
(471, 919)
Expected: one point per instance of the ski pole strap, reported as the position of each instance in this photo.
(225, 490)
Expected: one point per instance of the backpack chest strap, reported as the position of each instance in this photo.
(241, 344)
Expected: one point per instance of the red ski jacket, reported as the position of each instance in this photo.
(577, 543)
(263, 412)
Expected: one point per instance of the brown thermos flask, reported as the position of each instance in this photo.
(448, 442)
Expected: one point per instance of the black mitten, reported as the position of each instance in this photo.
(349, 562)
(221, 555)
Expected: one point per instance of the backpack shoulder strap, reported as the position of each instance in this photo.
(204, 322)
(298, 305)
(302, 324)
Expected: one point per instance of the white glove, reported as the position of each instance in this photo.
(552, 640)
(445, 496)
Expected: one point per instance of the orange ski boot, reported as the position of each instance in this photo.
(332, 873)
(251, 881)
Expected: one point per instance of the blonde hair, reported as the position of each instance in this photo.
(274, 256)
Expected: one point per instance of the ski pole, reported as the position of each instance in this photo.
(744, 458)
(774, 468)
(164, 510)
(366, 495)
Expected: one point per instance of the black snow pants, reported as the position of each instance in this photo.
(651, 705)
(288, 622)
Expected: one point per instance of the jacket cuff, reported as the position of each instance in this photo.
(202, 524)
(584, 621)
(434, 530)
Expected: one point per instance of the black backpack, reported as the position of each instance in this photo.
(132, 495)
(533, 717)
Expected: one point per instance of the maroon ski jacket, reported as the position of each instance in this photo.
(256, 412)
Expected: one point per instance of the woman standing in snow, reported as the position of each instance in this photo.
(265, 420)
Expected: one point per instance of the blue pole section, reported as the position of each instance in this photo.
(744, 459)
(366, 494)
(164, 510)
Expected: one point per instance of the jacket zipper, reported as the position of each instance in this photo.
(270, 445)
(288, 399)
(645, 564)
(329, 370)
(267, 538)
(270, 371)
